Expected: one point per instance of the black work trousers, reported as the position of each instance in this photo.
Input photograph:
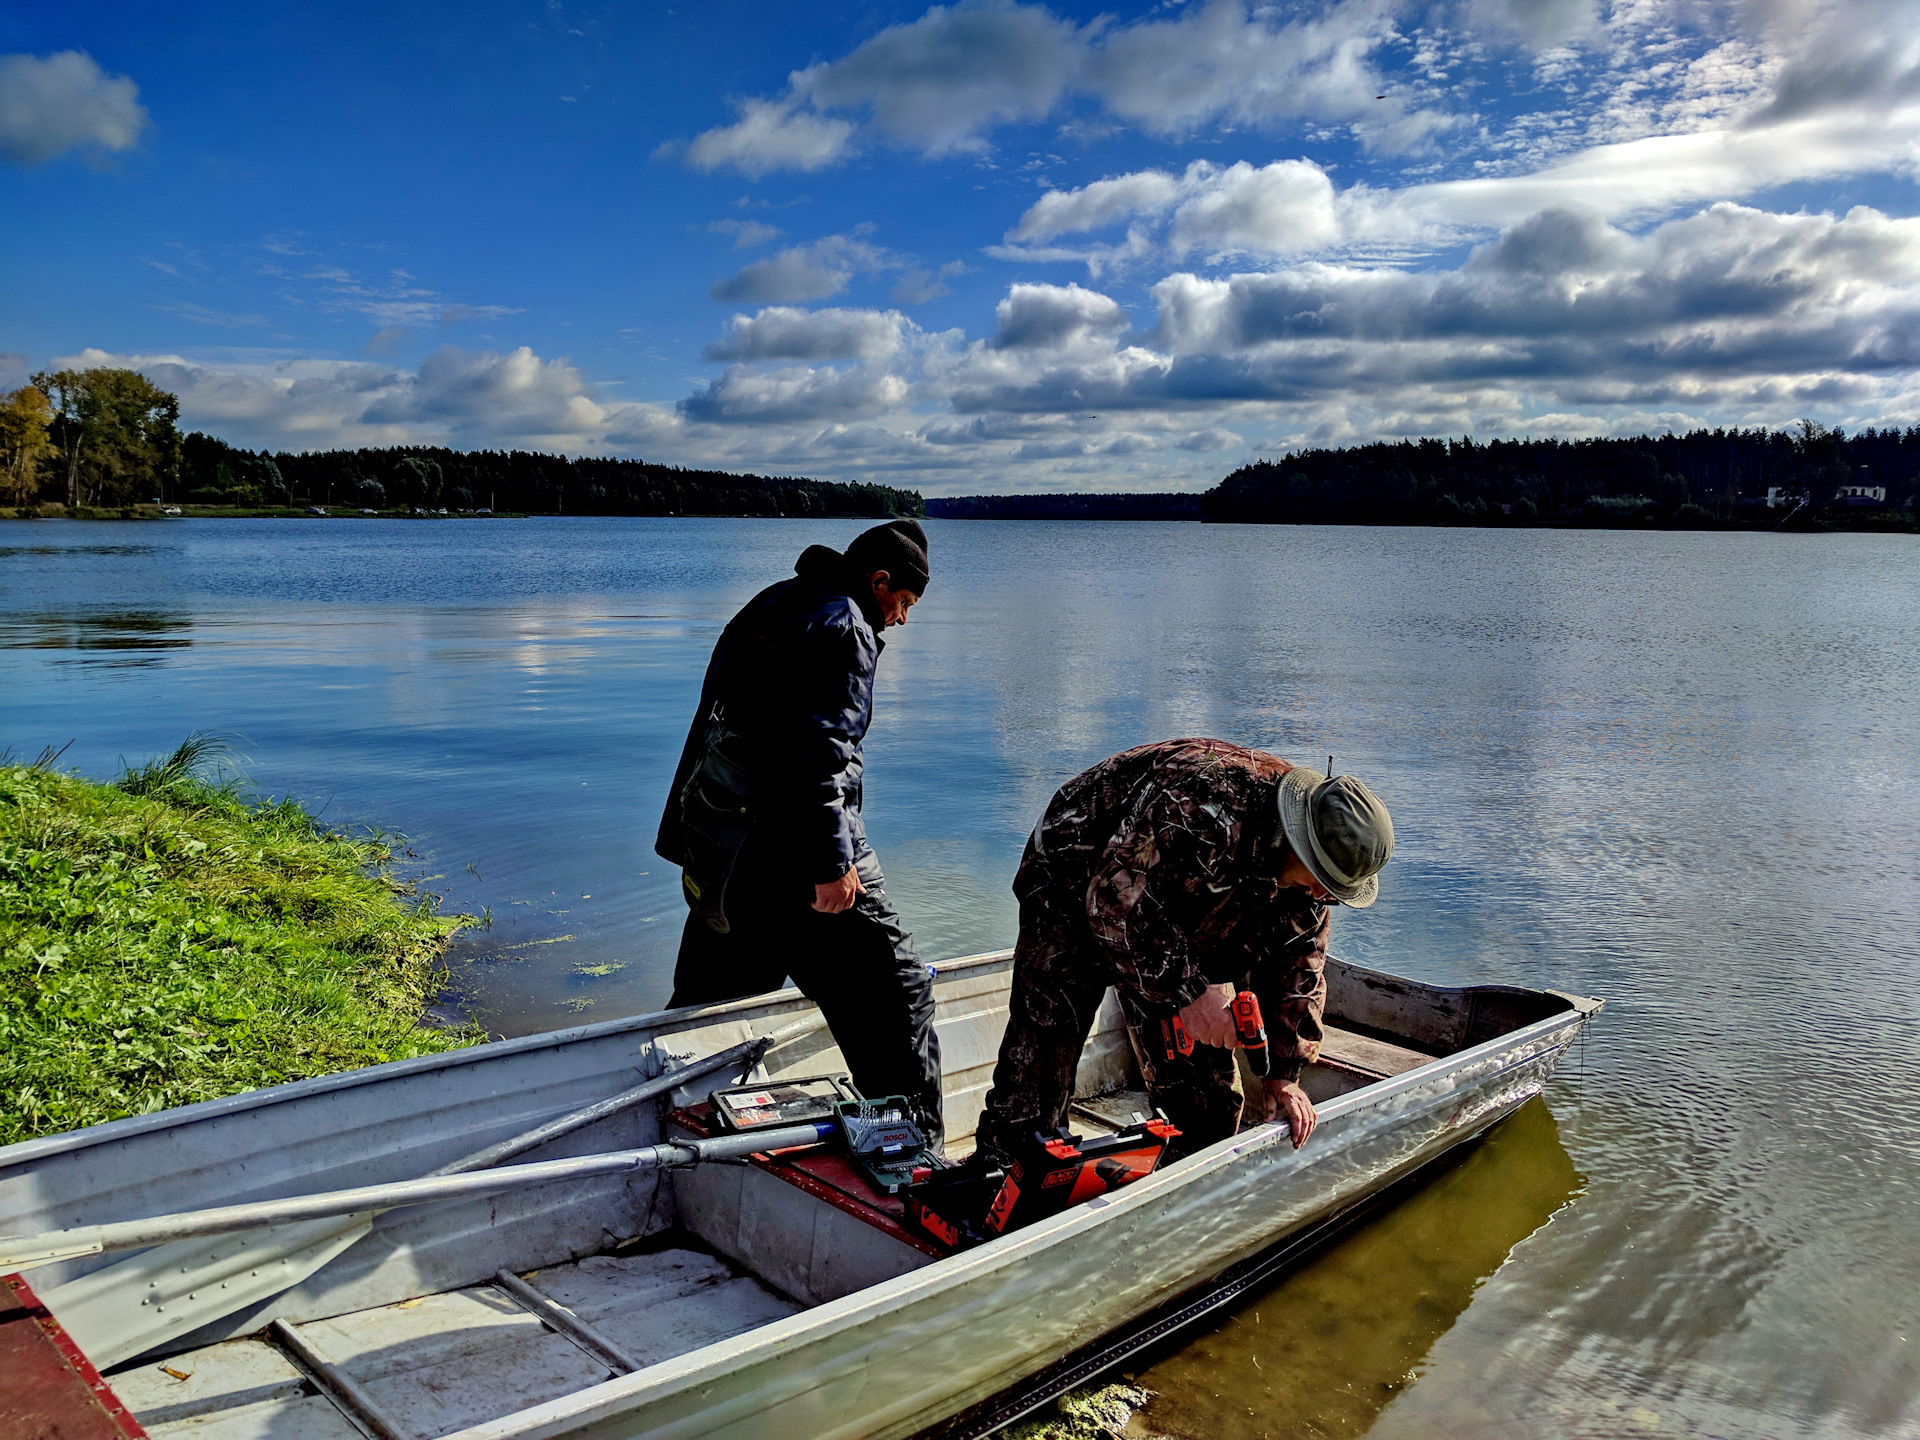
(859, 967)
(1059, 980)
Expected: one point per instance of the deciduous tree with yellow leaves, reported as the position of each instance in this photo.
(25, 418)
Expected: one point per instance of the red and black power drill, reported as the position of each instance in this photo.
(1174, 1039)
(1249, 1028)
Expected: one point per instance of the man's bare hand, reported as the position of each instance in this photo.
(836, 895)
(1287, 1100)
(1209, 1019)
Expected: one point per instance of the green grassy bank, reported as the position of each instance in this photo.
(162, 942)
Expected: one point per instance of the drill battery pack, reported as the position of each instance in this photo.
(951, 1205)
(1062, 1169)
(965, 1206)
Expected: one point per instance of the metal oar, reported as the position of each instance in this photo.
(26, 1251)
(120, 1310)
(747, 1054)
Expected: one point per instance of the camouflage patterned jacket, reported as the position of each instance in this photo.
(1164, 849)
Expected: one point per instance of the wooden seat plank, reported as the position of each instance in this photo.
(1363, 1052)
(52, 1391)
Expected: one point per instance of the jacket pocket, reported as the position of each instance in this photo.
(716, 824)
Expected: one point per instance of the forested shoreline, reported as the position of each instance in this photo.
(437, 478)
(1704, 479)
(106, 441)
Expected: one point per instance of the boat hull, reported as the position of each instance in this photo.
(893, 1360)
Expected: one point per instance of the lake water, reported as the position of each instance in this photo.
(1678, 771)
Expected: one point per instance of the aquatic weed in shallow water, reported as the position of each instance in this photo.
(1100, 1412)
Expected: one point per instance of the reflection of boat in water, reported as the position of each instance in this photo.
(1325, 1349)
(743, 1300)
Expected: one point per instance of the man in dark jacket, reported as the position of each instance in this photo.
(1179, 873)
(764, 816)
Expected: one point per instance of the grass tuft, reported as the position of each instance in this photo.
(163, 942)
(185, 769)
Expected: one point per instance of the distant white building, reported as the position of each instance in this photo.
(1860, 495)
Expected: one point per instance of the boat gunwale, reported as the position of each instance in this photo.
(27, 1152)
(608, 1398)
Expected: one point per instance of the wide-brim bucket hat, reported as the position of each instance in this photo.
(1340, 830)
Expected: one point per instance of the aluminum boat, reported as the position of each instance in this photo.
(743, 1299)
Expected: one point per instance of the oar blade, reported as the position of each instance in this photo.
(155, 1295)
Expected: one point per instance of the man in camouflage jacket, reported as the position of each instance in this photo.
(1179, 873)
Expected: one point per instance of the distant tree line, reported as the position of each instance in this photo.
(108, 438)
(435, 478)
(1073, 506)
(1702, 478)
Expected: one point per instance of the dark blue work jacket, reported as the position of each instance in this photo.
(775, 745)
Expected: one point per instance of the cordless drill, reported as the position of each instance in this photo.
(1174, 1038)
(1251, 1030)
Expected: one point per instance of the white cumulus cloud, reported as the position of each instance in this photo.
(770, 135)
(801, 394)
(514, 395)
(937, 82)
(943, 82)
(1226, 62)
(1102, 203)
(64, 102)
(1728, 290)
(1288, 207)
(1732, 310)
(1056, 317)
(815, 271)
(456, 397)
(782, 332)
(1292, 208)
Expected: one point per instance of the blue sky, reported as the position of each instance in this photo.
(969, 249)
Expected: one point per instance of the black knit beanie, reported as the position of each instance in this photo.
(898, 547)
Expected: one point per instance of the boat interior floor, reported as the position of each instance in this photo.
(429, 1366)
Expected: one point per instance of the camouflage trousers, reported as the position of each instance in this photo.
(1059, 980)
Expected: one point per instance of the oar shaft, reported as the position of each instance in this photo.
(18, 1252)
(747, 1052)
